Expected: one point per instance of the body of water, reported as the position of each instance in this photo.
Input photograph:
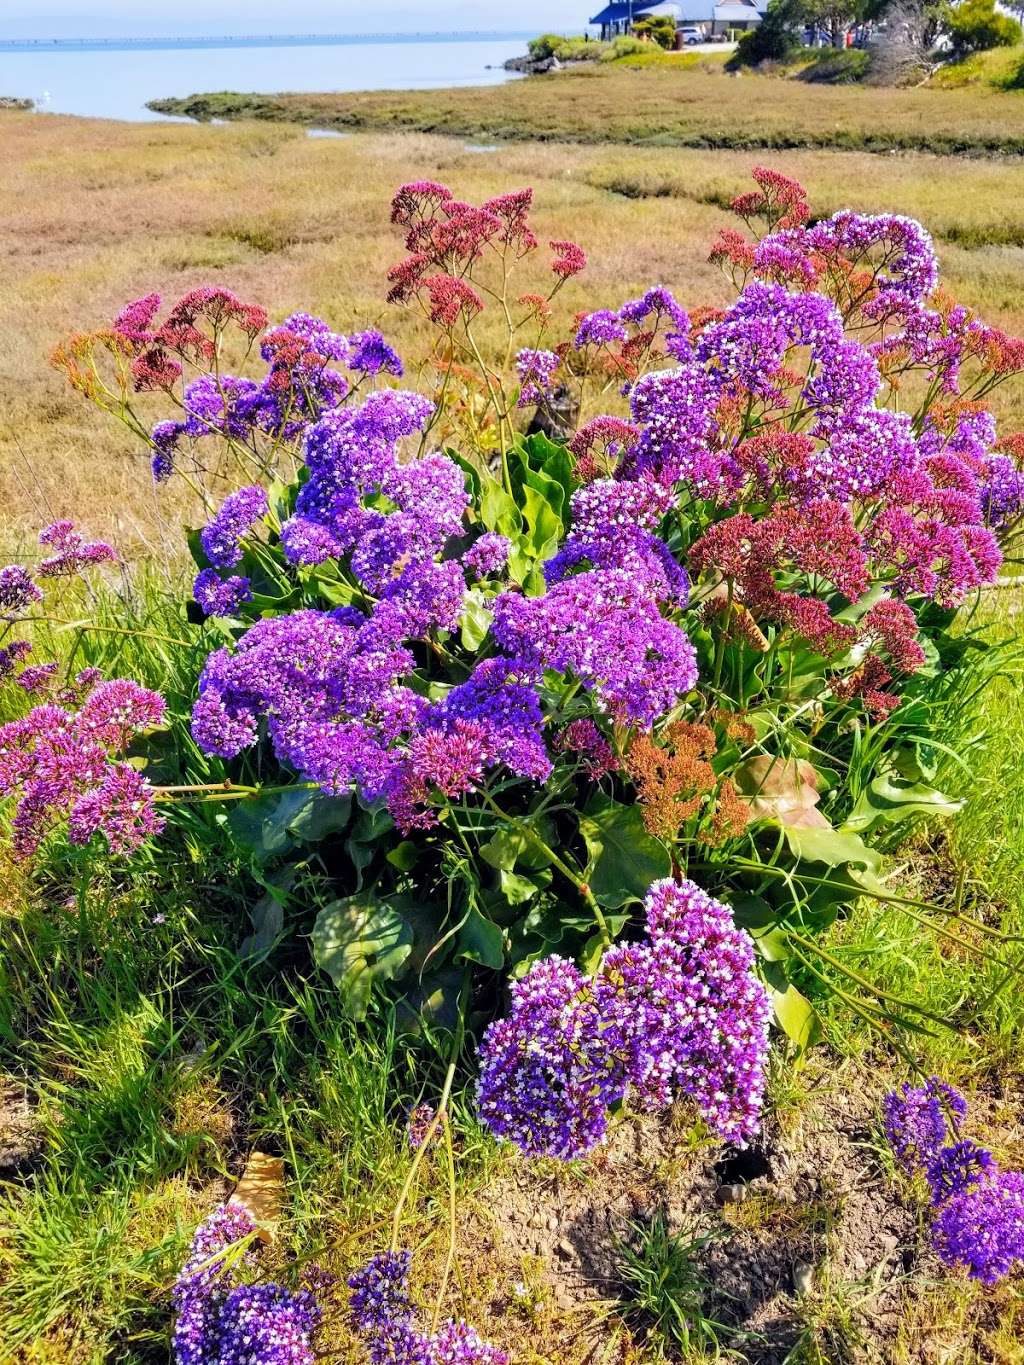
(107, 80)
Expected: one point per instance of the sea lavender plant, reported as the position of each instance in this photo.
(383, 1314)
(220, 1321)
(978, 1209)
(680, 1013)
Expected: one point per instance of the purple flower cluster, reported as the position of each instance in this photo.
(71, 554)
(488, 556)
(300, 386)
(600, 328)
(221, 1322)
(383, 1314)
(370, 354)
(613, 528)
(417, 1124)
(602, 627)
(238, 514)
(657, 303)
(1002, 492)
(334, 688)
(978, 1219)
(18, 592)
(535, 370)
(63, 763)
(681, 1013)
(927, 502)
(218, 596)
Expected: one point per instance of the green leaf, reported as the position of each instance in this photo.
(322, 816)
(360, 941)
(433, 997)
(772, 944)
(796, 1016)
(404, 856)
(624, 859)
(502, 851)
(544, 525)
(481, 941)
(267, 917)
(831, 846)
(497, 510)
(475, 621)
(886, 801)
(518, 889)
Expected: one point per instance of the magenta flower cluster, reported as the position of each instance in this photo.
(927, 501)
(62, 763)
(978, 1209)
(679, 1014)
(70, 554)
(383, 1314)
(220, 1321)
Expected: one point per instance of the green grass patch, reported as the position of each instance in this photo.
(667, 105)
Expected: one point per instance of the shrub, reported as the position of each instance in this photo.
(505, 690)
(543, 47)
(626, 46)
(837, 68)
(975, 26)
(660, 29)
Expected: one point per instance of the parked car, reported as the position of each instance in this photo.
(691, 36)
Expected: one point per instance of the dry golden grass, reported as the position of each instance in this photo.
(96, 213)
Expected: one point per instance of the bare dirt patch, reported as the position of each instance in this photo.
(816, 1244)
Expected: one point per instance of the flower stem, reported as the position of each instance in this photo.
(440, 1115)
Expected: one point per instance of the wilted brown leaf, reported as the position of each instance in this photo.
(784, 789)
(261, 1192)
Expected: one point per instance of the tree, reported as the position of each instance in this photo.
(776, 37)
(835, 16)
(975, 26)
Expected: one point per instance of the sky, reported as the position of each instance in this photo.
(128, 18)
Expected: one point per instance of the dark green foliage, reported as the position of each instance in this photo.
(777, 36)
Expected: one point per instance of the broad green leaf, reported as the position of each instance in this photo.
(322, 816)
(503, 850)
(481, 941)
(796, 1016)
(360, 941)
(886, 801)
(267, 917)
(624, 858)
(544, 525)
(518, 889)
(471, 471)
(772, 944)
(404, 856)
(593, 952)
(434, 997)
(831, 846)
(498, 512)
(261, 825)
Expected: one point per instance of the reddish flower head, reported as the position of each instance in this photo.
(569, 260)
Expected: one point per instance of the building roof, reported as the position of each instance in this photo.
(736, 11)
(616, 11)
(685, 12)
